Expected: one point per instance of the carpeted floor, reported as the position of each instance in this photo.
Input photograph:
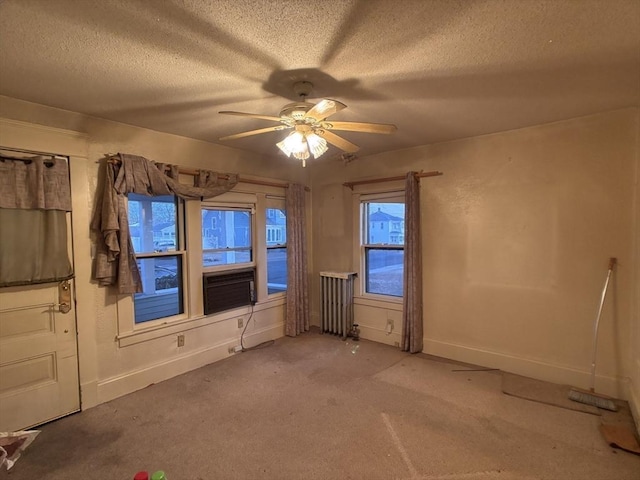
(315, 407)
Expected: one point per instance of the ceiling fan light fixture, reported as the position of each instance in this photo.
(299, 144)
(317, 144)
(294, 144)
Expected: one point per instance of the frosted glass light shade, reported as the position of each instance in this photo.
(298, 145)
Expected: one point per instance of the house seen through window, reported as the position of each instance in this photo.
(276, 235)
(226, 236)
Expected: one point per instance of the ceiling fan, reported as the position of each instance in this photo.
(311, 130)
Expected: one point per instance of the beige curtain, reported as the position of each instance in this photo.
(35, 183)
(34, 201)
(412, 300)
(115, 262)
(297, 313)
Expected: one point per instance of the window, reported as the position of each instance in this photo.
(154, 229)
(383, 253)
(226, 236)
(276, 249)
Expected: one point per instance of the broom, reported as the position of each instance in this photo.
(589, 397)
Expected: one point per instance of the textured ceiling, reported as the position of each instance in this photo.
(439, 70)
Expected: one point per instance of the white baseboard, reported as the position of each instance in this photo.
(88, 395)
(612, 386)
(379, 335)
(130, 382)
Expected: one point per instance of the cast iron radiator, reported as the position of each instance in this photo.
(336, 302)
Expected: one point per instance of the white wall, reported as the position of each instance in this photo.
(108, 367)
(517, 234)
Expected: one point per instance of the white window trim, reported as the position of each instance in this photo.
(130, 334)
(231, 206)
(125, 304)
(369, 195)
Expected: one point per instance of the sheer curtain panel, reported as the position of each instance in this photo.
(412, 300)
(36, 196)
(297, 313)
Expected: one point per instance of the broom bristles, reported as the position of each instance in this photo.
(589, 398)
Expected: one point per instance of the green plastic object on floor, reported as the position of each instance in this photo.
(159, 475)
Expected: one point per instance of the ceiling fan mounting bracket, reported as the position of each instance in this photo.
(302, 89)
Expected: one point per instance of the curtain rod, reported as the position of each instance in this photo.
(49, 162)
(390, 179)
(193, 173)
(33, 152)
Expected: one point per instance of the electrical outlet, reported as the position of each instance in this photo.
(389, 328)
(240, 322)
(181, 340)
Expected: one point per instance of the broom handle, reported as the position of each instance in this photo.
(612, 262)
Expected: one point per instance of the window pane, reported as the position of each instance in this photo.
(276, 257)
(276, 270)
(226, 237)
(162, 285)
(384, 271)
(152, 223)
(276, 227)
(212, 258)
(384, 223)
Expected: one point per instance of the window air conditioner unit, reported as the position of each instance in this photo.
(228, 290)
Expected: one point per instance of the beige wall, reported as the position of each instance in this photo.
(107, 368)
(517, 234)
(516, 238)
(635, 334)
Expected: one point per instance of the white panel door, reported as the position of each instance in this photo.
(38, 355)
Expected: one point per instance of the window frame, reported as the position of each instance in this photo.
(129, 333)
(363, 247)
(180, 252)
(230, 206)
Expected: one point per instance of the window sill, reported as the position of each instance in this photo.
(178, 326)
(380, 301)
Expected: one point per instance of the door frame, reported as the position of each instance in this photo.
(75, 146)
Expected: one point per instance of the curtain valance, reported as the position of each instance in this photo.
(35, 199)
(115, 257)
(40, 183)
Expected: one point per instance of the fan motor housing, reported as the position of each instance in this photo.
(295, 110)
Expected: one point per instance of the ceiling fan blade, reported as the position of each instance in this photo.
(255, 132)
(252, 115)
(339, 142)
(360, 127)
(325, 108)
